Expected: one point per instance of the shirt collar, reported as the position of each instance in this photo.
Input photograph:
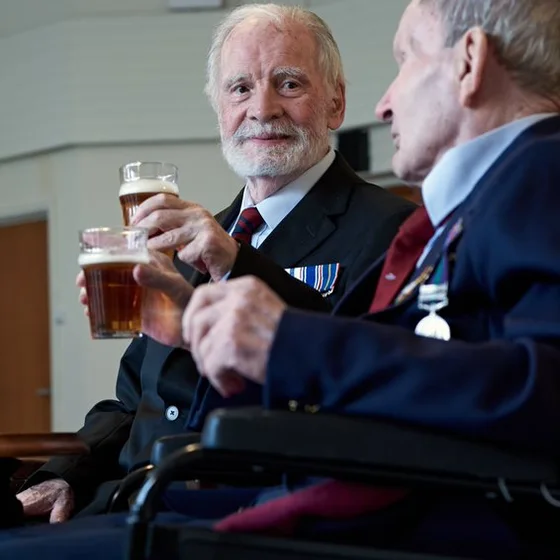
(460, 169)
(277, 206)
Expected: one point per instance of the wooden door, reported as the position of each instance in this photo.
(24, 329)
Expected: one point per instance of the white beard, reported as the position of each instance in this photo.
(302, 151)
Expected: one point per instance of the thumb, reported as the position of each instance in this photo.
(61, 510)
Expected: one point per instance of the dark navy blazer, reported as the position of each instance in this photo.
(499, 376)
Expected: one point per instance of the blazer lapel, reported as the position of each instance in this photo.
(359, 297)
(310, 223)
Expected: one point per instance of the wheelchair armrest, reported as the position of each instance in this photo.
(213, 471)
(368, 443)
(166, 445)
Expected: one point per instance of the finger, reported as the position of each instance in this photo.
(83, 296)
(160, 201)
(61, 510)
(202, 297)
(27, 497)
(227, 383)
(171, 284)
(162, 261)
(81, 279)
(213, 358)
(191, 254)
(33, 502)
(202, 323)
(162, 220)
(164, 239)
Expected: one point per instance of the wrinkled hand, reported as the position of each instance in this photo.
(166, 296)
(177, 224)
(52, 497)
(230, 328)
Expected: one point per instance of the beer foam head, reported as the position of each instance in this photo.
(105, 257)
(148, 186)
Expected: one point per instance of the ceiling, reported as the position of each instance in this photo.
(18, 16)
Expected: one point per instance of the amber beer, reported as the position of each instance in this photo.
(133, 193)
(114, 298)
(140, 180)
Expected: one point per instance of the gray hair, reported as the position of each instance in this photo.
(524, 33)
(330, 62)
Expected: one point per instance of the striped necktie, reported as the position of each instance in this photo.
(249, 221)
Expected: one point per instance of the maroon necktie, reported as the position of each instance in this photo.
(334, 499)
(330, 499)
(249, 221)
(402, 256)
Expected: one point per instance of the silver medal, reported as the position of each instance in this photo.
(432, 298)
(433, 326)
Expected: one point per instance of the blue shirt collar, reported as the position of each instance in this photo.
(460, 169)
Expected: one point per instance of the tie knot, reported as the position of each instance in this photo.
(249, 221)
(417, 227)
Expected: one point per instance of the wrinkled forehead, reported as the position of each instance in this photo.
(257, 35)
(262, 47)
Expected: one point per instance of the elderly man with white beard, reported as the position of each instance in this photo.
(304, 223)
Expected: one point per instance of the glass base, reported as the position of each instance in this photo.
(107, 335)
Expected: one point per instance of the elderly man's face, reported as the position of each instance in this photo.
(422, 104)
(274, 107)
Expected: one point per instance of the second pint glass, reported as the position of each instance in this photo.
(108, 257)
(141, 180)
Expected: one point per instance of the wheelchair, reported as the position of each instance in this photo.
(231, 451)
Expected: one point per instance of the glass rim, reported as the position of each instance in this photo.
(141, 162)
(108, 229)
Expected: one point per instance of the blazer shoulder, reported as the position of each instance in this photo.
(531, 170)
(364, 197)
(373, 196)
(377, 209)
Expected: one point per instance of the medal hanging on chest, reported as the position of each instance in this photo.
(432, 298)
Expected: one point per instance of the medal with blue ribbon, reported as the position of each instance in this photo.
(433, 297)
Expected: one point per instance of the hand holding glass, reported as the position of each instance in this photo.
(142, 180)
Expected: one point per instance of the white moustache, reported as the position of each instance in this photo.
(246, 131)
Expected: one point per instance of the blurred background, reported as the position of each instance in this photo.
(87, 85)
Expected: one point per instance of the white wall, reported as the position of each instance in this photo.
(24, 15)
(91, 90)
(78, 188)
(140, 78)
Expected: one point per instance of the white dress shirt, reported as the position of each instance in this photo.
(277, 206)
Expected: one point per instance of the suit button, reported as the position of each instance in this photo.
(172, 413)
(311, 408)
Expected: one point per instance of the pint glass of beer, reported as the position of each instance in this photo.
(107, 257)
(141, 180)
